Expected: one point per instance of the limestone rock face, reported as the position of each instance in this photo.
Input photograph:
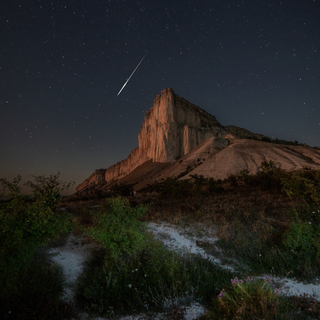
(178, 139)
(172, 128)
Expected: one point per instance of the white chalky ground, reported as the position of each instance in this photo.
(72, 255)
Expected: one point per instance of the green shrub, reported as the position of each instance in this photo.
(244, 176)
(24, 226)
(303, 185)
(304, 237)
(264, 247)
(214, 186)
(136, 272)
(117, 228)
(268, 167)
(268, 178)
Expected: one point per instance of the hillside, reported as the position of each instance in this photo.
(178, 139)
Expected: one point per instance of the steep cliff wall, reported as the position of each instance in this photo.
(171, 129)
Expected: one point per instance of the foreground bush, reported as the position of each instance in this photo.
(303, 236)
(117, 228)
(26, 224)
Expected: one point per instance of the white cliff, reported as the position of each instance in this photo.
(171, 129)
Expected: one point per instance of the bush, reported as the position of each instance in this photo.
(134, 271)
(303, 185)
(304, 237)
(268, 167)
(268, 177)
(266, 245)
(214, 186)
(24, 226)
(117, 228)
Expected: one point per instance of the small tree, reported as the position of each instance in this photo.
(47, 189)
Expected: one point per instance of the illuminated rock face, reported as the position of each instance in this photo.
(174, 128)
(171, 129)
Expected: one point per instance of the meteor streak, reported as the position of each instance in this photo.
(130, 76)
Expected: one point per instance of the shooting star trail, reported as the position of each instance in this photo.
(130, 76)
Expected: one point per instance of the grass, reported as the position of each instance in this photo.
(268, 222)
(254, 226)
(152, 279)
(251, 227)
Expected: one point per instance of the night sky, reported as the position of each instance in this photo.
(253, 64)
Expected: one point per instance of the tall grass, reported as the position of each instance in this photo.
(152, 279)
(145, 277)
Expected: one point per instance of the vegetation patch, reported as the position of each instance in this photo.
(30, 284)
(268, 222)
(143, 274)
(251, 298)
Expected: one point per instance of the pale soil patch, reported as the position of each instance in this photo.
(291, 287)
(71, 257)
(178, 240)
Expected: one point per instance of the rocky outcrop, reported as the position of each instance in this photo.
(178, 139)
(171, 129)
(97, 177)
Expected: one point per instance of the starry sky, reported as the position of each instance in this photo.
(254, 64)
